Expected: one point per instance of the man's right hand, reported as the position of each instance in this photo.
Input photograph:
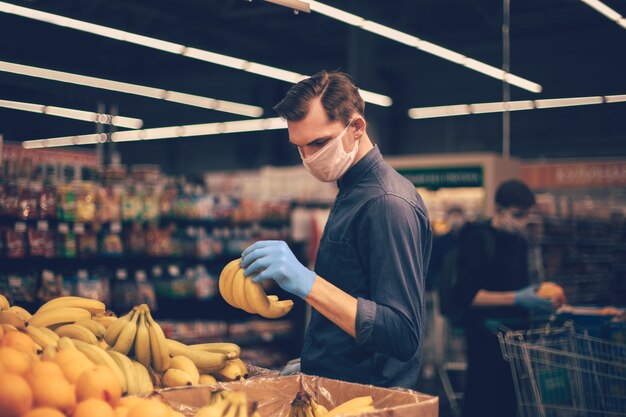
(527, 297)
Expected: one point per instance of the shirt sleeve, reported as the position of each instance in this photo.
(393, 243)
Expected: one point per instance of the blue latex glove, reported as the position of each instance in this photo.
(272, 259)
(527, 297)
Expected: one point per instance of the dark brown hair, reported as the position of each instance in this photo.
(339, 96)
(515, 193)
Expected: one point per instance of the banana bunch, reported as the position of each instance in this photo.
(304, 406)
(228, 404)
(355, 406)
(65, 310)
(241, 292)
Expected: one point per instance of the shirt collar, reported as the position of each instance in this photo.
(354, 174)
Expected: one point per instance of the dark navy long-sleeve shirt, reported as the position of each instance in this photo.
(376, 247)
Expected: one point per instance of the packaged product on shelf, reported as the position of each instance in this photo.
(66, 241)
(15, 241)
(51, 286)
(132, 204)
(111, 240)
(145, 290)
(86, 202)
(108, 202)
(46, 205)
(66, 209)
(41, 240)
(87, 240)
(205, 283)
(28, 198)
(123, 291)
(150, 210)
(22, 287)
(9, 200)
(135, 239)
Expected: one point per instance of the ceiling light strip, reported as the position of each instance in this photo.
(606, 11)
(498, 107)
(167, 132)
(120, 121)
(413, 41)
(140, 90)
(174, 48)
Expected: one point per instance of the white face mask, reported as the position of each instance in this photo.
(509, 223)
(332, 161)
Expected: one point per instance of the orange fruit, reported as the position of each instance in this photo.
(93, 408)
(43, 412)
(54, 392)
(14, 361)
(67, 355)
(72, 370)
(19, 341)
(1, 332)
(98, 382)
(149, 408)
(42, 369)
(121, 411)
(128, 402)
(16, 397)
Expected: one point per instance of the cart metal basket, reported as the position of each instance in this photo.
(563, 372)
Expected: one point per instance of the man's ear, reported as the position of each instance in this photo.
(359, 125)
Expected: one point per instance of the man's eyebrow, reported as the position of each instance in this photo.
(321, 138)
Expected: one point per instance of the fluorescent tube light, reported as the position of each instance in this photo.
(86, 116)
(174, 48)
(140, 90)
(479, 108)
(604, 9)
(203, 129)
(410, 40)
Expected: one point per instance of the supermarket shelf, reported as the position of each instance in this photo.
(113, 261)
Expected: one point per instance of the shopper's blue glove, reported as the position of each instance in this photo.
(527, 297)
(272, 259)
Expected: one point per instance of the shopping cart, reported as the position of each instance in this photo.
(560, 371)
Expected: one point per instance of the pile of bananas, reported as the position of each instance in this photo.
(228, 404)
(241, 292)
(305, 406)
(133, 346)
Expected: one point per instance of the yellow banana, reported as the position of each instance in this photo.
(4, 303)
(262, 304)
(39, 337)
(176, 378)
(225, 281)
(360, 410)
(207, 379)
(231, 350)
(99, 357)
(214, 410)
(204, 361)
(12, 319)
(114, 330)
(93, 326)
(142, 342)
(23, 313)
(127, 336)
(155, 377)
(106, 321)
(318, 409)
(230, 372)
(239, 292)
(133, 386)
(48, 353)
(243, 368)
(8, 328)
(76, 332)
(145, 382)
(353, 404)
(50, 333)
(93, 306)
(186, 365)
(103, 344)
(159, 351)
(65, 343)
(64, 315)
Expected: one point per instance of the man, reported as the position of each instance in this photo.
(368, 286)
(493, 282)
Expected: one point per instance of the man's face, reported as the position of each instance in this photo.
(521, 215)
(314, 131)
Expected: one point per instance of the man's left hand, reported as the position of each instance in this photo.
(272, 259)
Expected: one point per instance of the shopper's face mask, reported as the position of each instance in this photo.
(512, 220)
(332, 161)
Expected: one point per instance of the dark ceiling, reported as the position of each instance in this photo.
(564, 45)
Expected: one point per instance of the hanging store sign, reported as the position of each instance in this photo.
(581, 175)
(453, 177)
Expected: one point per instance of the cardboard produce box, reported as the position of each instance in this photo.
(275, 394)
